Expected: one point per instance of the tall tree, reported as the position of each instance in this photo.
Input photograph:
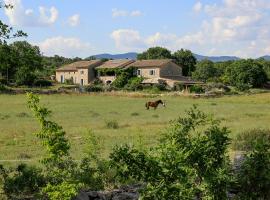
(155, 53)
(28, 61)
(6, 33)
(204, 70)
(186, 59)
(246, 72)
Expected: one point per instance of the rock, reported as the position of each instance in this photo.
(124, 193)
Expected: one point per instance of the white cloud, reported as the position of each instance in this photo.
(124, 13)
(231, 28)
(136, 13)
(74, 20)
(197, 7)
(128, 39)
(65, 46)
(131, 40)
(20, 16)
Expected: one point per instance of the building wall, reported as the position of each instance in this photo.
(83, 75)
(66, 75)
(145, 72)
(76, 76)
(171, 69)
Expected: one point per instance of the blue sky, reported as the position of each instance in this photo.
(86, 27)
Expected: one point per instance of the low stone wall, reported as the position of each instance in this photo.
(124, 193)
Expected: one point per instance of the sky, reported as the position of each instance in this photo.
(80, 28)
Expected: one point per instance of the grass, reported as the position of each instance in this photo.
(80, 113)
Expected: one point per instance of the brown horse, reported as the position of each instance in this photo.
(154, 104)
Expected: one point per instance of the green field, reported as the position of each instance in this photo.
(80, 113)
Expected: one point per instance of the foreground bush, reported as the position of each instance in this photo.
(190, 161)
(60, 177)
(253, 179)
(22, 182)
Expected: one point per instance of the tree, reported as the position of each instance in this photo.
(6, 33)
(7, 68)
(186, 59)
(189, 163)
(266, 66)
(155, 53)
(246, 72)
(28, 60)
(204, 71)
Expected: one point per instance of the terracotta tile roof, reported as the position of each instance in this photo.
(120, 63)
(79, 65)
(150, 63)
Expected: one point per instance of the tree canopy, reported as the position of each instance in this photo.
(155, 53)
(246, 72)
(186, 59)
(204, 70)
(20, 61)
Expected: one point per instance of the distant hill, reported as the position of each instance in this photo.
(130, 55)
(133, 55)
(266, 57)
(216, 58)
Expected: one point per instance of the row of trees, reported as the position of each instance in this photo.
(23, 63)
(241, 73)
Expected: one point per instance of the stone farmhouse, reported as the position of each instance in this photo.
(81, 72)
(153, 71)
(106, 71)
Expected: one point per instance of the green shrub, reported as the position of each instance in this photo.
(25, 77)
(64, 176)
(134, 84)
(94, 88)
(245, 140)
(112, 124)
(189, 163)
(197, 89)
(23, 182)
(42, 83)
(121, 80)
(62, 191)
(178, 87)
(2, 88)
(69, 81)
(3, 81)
(253, 179)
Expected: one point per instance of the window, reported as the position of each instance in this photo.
(62, 79)
(138, 72)
(81, 81)
(152, 72)
(82, 72)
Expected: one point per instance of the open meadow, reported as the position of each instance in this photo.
(78, 114)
